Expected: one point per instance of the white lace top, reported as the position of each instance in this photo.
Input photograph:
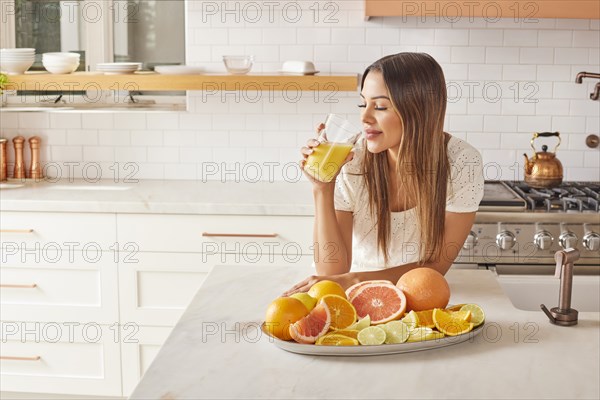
(465, 190)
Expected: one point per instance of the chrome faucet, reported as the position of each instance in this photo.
(564, 315)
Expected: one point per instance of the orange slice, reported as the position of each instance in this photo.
(465, 315)
(346, 332)
(450, 324)
(426, 318)
(343, 313)
(336, 340)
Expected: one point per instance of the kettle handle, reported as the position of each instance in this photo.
(545, 134)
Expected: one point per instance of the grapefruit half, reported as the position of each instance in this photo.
(351, 291)
(383, 302)
(313, 326)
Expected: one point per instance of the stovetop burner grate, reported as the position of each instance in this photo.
(568, 197)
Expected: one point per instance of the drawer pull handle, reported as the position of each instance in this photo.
(34, 358)
(8, 285)
(262, 235)
(16, 230)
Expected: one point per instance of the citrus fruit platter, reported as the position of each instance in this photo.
(372, 317)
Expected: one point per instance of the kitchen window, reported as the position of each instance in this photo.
(148, 31)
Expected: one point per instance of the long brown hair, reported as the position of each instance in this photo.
(417, 89)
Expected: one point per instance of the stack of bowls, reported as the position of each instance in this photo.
(60, 63)
(16, 61)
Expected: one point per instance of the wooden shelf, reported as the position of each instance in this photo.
(43, 81)
(513, 9)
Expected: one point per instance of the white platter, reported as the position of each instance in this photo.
(358, 351)
(298, 73)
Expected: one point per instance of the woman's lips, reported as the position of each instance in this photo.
(372, 133)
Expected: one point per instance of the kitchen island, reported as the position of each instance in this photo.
(216, 351)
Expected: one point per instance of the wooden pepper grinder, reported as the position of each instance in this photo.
(19, 171)
(35, 169)
(3, 161)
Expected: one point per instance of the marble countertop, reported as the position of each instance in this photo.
(158, 196)
(216, 351)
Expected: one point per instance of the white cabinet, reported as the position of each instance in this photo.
(127, 276)
(58, 302)
(66, 358)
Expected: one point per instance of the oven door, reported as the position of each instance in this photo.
(528, 286)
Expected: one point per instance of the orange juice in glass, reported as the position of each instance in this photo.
(337, 139)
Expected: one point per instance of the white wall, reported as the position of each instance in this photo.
(527, 67)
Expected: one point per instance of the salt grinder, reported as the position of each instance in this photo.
(19, 172)
(35, 169)
(3, 162)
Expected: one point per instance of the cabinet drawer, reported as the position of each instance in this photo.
(46, 231)
(86, 361)
(59, 287)
(217, 233)
(157, 290)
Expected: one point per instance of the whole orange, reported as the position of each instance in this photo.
(323, 288)
(282, 312)
(425, 289)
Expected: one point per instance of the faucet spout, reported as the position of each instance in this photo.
(564, 315)
(596, 94)
(581, 75)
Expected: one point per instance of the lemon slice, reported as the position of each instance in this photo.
(465, 315)
(411, 320)
(373, 335)
(477, 314)
(395, 332)
(449, 324)
(361, 324)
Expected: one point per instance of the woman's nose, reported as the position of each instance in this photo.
(366, 116)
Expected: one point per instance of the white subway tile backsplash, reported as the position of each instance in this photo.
(512, 107)
(582, 174)
(568, 124)
(163, 120)
(441, 54)
(554, 73)
(131, 154)
(382, 36)
(484, 140)
(217, 36)
(180, 171)
(98, 153)
(482, 106)
(466, 123)
(82, 137)
(533, 124)
(569, 90)
(504, 123)
(9, 121)
(147, 138)
(591, 159)
(196, 121)
(520, 37)
(366, 53)
(536, 56)
(592, 124)
(552, 107)
(52, 137)
(163, 154)
(485, 72)
(97, 121)
(486, 37)
(519, 72)
(409, 36)
(312, 36)
(195, 154)
(130, 120)
(514, 140)
(575, 24)
(278, 36)
(501, 55)
(584, 107)
(332, 53)
(67, 153)
(65, 121)
(555, 38)
(179, 138)
(348, 36)
(34, 120)
(451, 37)
(575, 141)
(468, 54)
(114, 137)
(571, 56)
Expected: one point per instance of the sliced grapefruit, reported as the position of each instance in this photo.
(313, 326)
(383, 302)
(351, 291)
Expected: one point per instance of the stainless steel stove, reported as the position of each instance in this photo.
(521, 228)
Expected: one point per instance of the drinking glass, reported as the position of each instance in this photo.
(337, 140)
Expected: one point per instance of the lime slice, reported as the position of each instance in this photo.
(395, 332)
(477, 314)
(361, 324)
(411, 320)
(372, 335)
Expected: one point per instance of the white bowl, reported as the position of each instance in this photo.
(21, 50)
(15, 67)
(238, 65)
(11, 56)
(61, 68)
(61, 55)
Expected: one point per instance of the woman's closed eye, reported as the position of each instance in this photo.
(378, 108)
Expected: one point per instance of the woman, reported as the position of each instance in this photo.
(408, 194)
